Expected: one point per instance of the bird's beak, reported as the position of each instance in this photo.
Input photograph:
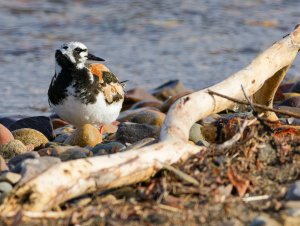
(94, 58)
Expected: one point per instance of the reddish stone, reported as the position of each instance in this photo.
(135, 95)
(5, 135)
(58, 123)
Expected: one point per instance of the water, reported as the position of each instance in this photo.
(148, 42)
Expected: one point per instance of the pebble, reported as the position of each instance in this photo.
(195, 133)
(75, 153)
(108, 148)
(295, 88)
(10, 177)
(127, 115)
(291, 102)
(5, 187)
(282, 90)
(264, 220)
(61, 138)
(30, 136)
(42, 124)
(110, 128)
(129, 132)
(5, 135)
(149, 117)
(168, 89)
(267, 154)
(3, 165)
(32, 167)
(147, 103)
(135, 95)
(157, 219)
(49, 151)
(58, 123)
(7, 121)
(168, 103)
(293, 192)
(14, 163)
(13, 148)
(87, 135)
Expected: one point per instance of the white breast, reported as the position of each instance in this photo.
(77, 113)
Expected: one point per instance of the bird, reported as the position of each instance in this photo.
(83, 90)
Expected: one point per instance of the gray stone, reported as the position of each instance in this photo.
(42, 124)
(264, 220)
(295, 88)
(291, 102)
(75, 153)
(5, 187)
(132, 132)
(149, 117)
(147, 103)
(10, 177)
(293, 192)
(14, 163)
(61, 138)
(170, 88)
(108, 148)
(33, 167)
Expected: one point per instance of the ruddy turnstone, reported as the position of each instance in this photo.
(83, 90)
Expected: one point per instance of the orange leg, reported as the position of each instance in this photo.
(101, 129)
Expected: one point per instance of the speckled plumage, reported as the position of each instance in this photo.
(82, 91)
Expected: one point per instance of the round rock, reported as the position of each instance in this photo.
(32, 167)
(14, 163)
(149, 117)
(10, 177)
(129, 132)
(195, 133)
(147, 103)
(108, 148)
(295, 88)
(293, 192)
(291, 102)
(87, 135)
(13, 148)
(171, 88)
(30, 136)
(5, 187)
(75, 153)
(5, 135)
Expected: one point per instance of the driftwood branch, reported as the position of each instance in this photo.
(74, 178)
(258, 106)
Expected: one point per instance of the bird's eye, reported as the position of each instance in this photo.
(65, 47)
(78, 50)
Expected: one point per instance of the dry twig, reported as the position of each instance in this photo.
(262, 107)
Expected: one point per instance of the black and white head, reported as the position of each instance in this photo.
(73, 55)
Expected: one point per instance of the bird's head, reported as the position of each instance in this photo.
(74, 55)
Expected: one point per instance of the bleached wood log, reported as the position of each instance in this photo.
(73, 178)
